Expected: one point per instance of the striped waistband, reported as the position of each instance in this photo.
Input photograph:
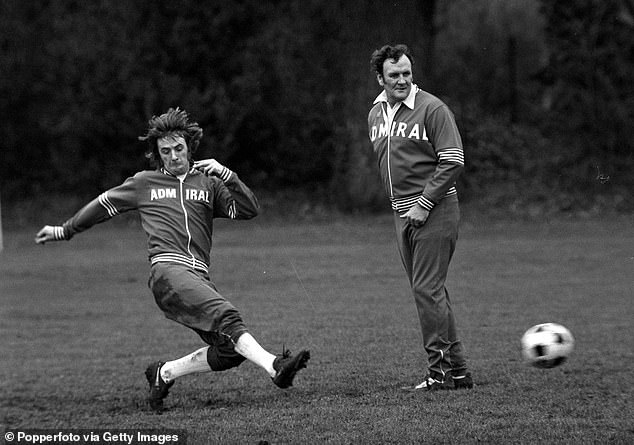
(403, 204)
(178, 258)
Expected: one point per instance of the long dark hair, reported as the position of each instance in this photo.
(173, 122)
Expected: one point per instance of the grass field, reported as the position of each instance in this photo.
(78, 327)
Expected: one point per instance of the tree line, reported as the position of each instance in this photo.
(542, 92)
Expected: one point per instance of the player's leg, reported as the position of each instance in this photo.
(219, 356)
(190, 298)
(429, 251)
(184, 296)
(248, 347)
(238, 344)
(433, 312)
(282, 369)
(409, 244)
(230, 349)
(433, 249)
(403, 242)
(161, 375)
(193, 363)
(460, 376)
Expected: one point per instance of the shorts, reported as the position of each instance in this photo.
(188, 297)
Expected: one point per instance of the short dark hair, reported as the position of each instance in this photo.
(388, 52)
(174, 122)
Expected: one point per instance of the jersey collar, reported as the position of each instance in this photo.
(409, 100)
(165, 172)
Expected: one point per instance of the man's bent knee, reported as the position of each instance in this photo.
(222, 358)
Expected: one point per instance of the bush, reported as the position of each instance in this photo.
(519, 169)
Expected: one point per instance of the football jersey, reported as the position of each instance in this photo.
(418, 148)
(176, 215)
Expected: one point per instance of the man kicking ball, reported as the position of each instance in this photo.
(177, 203)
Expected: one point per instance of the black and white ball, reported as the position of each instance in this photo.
(547, 345)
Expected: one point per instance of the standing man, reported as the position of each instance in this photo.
(177, 203)
(419, 152)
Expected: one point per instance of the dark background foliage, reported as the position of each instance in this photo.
(542, 92)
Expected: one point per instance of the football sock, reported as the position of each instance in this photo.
(192, 363)
(250, 349)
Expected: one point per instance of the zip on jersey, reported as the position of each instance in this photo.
(181, 180)
(176, 218)
(389, 118)
(417, 167)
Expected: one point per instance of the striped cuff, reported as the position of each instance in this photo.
(225, 174)
(452, 155)
(59, 233)
(426, 203)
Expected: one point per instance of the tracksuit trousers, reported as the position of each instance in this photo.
(426, 252)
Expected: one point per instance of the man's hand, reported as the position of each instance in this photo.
(209, 167)
(46, 233)
(416, 216)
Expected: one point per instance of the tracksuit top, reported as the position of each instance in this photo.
(419, 149)
(176, 215)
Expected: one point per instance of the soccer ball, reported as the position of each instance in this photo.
(547, 345)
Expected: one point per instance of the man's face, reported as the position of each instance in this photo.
(174, 154)
(396, 79)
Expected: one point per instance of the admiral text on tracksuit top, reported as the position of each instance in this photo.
(176, 215)
(419, 149)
